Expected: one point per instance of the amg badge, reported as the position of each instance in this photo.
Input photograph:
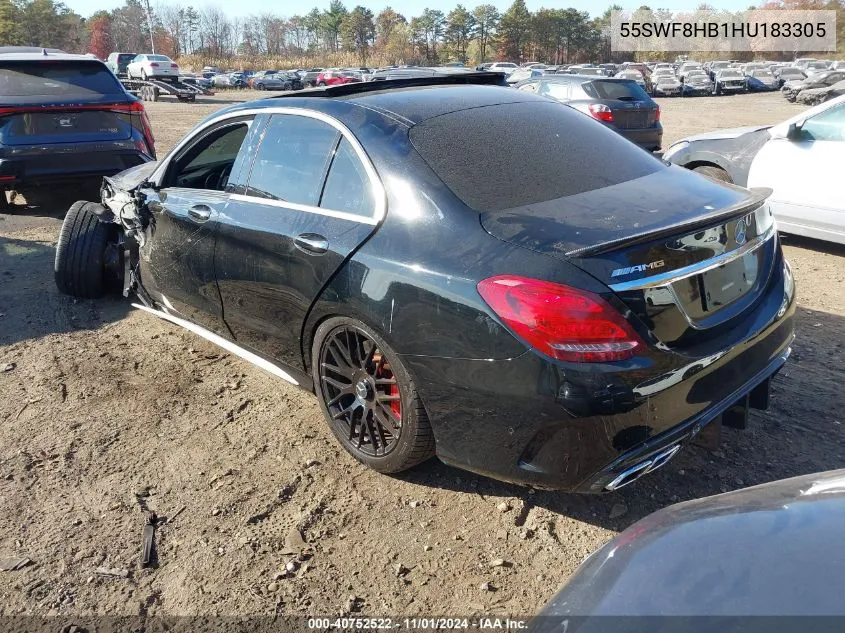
(637, 269)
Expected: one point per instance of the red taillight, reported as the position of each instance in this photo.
(136, 107)
(154, 64)
(601, 112)
(174, 65)
(563, 322)
(657, 113)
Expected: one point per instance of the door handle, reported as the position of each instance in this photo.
(312, 243)
(200, 212)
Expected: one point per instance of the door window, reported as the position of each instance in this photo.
(348, 186)
(292, 160)
(208, 163)
(554, 90)
(826, 126)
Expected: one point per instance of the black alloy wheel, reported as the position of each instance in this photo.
(368, 398)
(361, 391)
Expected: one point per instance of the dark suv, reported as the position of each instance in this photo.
(65, 118)
(618, 103)
(117, 62)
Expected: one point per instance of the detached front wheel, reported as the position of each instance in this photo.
(368, 397)
(80, 267)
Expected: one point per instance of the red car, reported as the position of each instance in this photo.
(336, 77)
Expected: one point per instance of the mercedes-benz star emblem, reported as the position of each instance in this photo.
(740, 232)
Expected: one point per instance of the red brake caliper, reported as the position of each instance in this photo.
(383, 371)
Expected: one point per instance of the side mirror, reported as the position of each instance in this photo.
(794, 131)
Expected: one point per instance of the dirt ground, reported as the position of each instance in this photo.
(107, 412)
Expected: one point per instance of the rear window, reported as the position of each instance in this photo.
(619, 90)
(157, 58)
(125, 57)
(60, 79)
(553, 151)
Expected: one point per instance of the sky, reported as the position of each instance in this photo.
(408, 8)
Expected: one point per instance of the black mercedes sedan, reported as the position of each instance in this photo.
(367, 242)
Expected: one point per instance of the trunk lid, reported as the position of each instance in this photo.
(685, 254)
(62, 101)
(632, 108)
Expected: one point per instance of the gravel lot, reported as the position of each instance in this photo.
(107, 412)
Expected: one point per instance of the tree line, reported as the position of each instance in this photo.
(337, 35)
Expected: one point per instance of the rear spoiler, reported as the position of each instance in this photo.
(757, 196)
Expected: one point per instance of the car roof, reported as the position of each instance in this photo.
(43, 55)
(10, 50)
(408, 101)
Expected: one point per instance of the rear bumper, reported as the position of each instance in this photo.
(697, 90)
(532, 421)
(648, 138)
(66, 162)
(680, 434)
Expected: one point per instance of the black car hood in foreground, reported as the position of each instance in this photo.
(772, 550)
(662, 201)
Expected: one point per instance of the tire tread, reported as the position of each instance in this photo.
(78, 269)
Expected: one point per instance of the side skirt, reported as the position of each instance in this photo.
(226, 344)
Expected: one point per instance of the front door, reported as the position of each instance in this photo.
(311, 198)
(177, 261)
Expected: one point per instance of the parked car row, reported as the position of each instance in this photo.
(822, 83)
(684, 77)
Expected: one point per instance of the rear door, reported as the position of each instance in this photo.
(311, 197)
(177, 260)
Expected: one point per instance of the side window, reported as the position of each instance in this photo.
(827, 126)
(554, 90)
(292, 159)
(208, 163)
(348, 188)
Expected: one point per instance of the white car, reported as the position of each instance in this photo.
(802, 163)
(503, 67)
(800, 160)
(150, 66)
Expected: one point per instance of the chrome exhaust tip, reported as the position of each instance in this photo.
(644, 467)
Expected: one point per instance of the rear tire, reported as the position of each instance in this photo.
(260, 86)
(385, 446)
(79, 269)
(716, 173)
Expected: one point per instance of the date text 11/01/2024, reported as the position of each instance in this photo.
(418, 624)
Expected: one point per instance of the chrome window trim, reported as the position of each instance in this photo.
(664, 279)
(379, 193)
(295, 206)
